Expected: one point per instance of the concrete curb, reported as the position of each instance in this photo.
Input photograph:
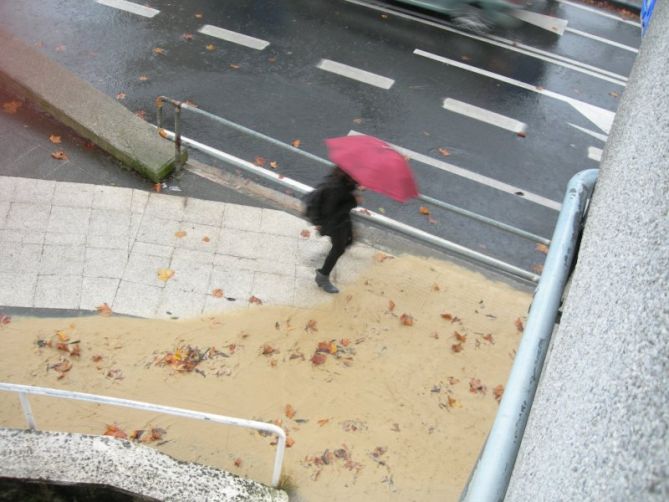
(30, 75)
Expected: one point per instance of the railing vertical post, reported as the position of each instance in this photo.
(159, 112)
(278, 460)
(27, 411)
(177, 135)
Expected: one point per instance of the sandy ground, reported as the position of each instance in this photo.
(394, 407)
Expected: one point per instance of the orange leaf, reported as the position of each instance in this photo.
(274, 164)
(475, 386)
(424, 211)
(96, 358)
(444, 152)
(256, 300)
(323, 421)
(542, 248)
(205, 239)
(311, 326)
(210, 47)
(114, 431)
(290, 411)
(104, 310)
(537, 268)
(332, 348)
(238, 462)
(345, 342)
(187, 37)
(488, 338)
(141, 114)
(357, 121)
(260, 161)
(120, 96)
(217, 293)
(497, 392)
(391, 305)
(323, 347)
(318, 358)
(435, 287)
(180, 234)
(447, 316)
(519, 325)
(381, 257)
(55, 139)
(268, 350)
(296, 143)
(11, 107)
(453, 403)
(143, 78)
(59, 155)
(234, 66)
(406, 320)
(158, 50)
(305, 233)
(457, 347)
(453, 380)
(163, 133)
(460, 337)
(165, 274)
(289, 442)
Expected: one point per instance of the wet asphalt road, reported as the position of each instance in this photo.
(280, 92)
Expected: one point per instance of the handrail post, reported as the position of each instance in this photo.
(177, 136)
(27, 411)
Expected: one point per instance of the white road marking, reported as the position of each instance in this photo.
(595, 153)
(602, 39)
(550, 23)
(470, 175)
(602, 137)
(131, 7)
(234, 37)
(599, 116)
(510, 45)
(484, 115)
(600, 12)
(355, 73)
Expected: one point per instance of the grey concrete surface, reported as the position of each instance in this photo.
(79, 458)
(92, 114)
(599, 427)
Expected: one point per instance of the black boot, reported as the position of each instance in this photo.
(324, 283)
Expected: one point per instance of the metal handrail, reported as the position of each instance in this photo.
(179, 105)
(23, 390)
(492, 472)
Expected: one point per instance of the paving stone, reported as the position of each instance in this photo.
(73, 194)
(255, 245)
(115, 198)
(185, 254)
(17, 289)
(7, 184)
(242, 217)
(28, 216)
(168, 207)
(312, 252)
(139, 200)
(214, 305)
(158, 231)
(135, 223)
(69, 239)
(62, 260)
(109, 223)
(97, 290)
(274, 289)
(152, 249)
(195, 234)
(4, 209)
(143, 269)
(180, 304)
(256, 265)
(33, 191)
(19, 257)
(34, 237)
(234, 283)
(137, 299)
(69, 219)
(308, 295)
(107, 263)
(191, 276)
(281, 223)
(58, 291)
(108, 242)
(11, 235)
(204, 212)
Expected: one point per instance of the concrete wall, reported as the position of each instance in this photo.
(599, 427)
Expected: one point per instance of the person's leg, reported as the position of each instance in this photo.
(341, 238)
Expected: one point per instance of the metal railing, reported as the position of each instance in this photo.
(492, 472)
(24, 390)
(379, 219)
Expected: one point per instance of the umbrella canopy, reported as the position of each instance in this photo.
(374, 165)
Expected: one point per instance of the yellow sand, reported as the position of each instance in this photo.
(381, 408)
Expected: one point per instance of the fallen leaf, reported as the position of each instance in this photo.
(323, 421)
(163, 133)
(113, 430)
(4, 320)
(318, 358)
(447, 316)
(268, 350)
(311, 326)
(11, 107)
(260, 161)
(488, 338)
(521, 134)
(187, 37)
(289, 442)
(256, 300)
(96, 358)
(289, 411)
(62, 367)
(180, 234)
(62, 336)
(444, 152)
(217, 293)
(614, 94)
(345, 342)
(357, 121)
(305, 233)
(210, 47)
(296, 143)
(143, 78)
(115, 374)
(75, 350)
(542, 248)
(391, 305)
(406, 320)
(234, 66)
(453, 380)
(424, 211)
(104, 310)
(198, 15)
(274, 164)
(205, 239)
(158, 50)
(475, 386)
(519, 325)
(381, 257)
(59, 155)
(537, 268)
(141, 114)
(435, 287)
(120, 96)
(155, 434)
(238, 462)
(55, 139)
(453, 403)
(164, 274)
(457, 347)
(497, 392)
(460, 337)
(332, 348)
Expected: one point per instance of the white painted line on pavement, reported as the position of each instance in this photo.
(355, 74)
(484, 115)
(602, 39)
(602, 137)
(131, 7)
(471, 175)
(600, 12)
(599, 116)
(510, 45)
(550, 23)
(234, 37)
(595, 153)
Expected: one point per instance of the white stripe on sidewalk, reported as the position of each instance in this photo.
(599, 116)
(595, 153)
(602, 39)
(600, 12)
(484, 115)
(510, 45)
(131, 7)
(355, 73)
(470, 175)
(550, 23)
(234, 37)
(602, 137)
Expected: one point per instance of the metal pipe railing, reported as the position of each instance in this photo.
(24, 390)
(179, 105)
(492, 472)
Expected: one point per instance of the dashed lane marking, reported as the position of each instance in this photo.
(510, 45)
(234, 37)
(595, 153)
(355, 73)
(131, 7)
(602, 40)
(470, 175)
(484, 115)
(599, 116)
(600, 13)
(602, 137)
(550, 23)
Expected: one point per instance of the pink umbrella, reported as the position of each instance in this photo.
(374, 165)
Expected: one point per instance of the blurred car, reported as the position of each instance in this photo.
(475, 15)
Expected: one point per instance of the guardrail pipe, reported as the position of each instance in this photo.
(492, 472)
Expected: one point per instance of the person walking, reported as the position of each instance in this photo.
(335, 202)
